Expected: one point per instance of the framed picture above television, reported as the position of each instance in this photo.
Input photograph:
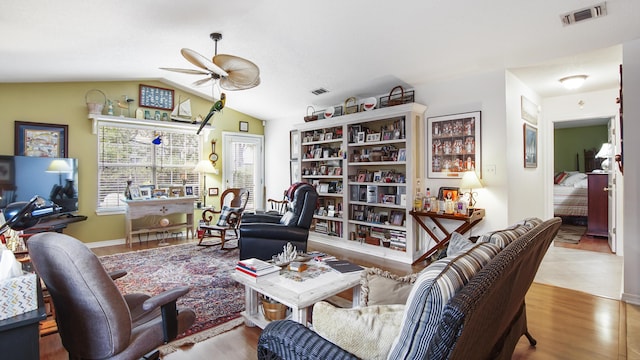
(41, 139)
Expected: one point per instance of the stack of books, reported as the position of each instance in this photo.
(256, 269)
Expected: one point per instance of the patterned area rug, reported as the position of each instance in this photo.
(214, 296)
(570, 233)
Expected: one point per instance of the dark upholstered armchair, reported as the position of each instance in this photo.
(94, 319)
(264, 235)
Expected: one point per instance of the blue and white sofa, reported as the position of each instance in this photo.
(468, 305)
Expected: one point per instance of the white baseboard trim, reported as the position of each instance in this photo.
(631, 298)
(98, 244)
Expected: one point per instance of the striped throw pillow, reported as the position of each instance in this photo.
(502, 238)
(435, 285)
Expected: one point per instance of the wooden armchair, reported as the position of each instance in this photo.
(232, 204)
(278, 206)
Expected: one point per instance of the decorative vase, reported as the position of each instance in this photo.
(127, 191)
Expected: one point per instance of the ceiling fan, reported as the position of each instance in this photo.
(232, 72)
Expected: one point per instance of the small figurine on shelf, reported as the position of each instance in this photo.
(110, 107)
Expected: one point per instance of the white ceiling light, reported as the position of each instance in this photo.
(573, 82)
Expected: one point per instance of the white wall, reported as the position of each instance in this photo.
(525, 186)
(276, 135)
(631, 226)
(486, 93)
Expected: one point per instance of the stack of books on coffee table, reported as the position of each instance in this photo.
(256, 269)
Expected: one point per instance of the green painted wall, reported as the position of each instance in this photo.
(573, 141)
(64, 103)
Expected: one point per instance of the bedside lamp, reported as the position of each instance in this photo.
(205, 167)
(470, 181)
(606, 153)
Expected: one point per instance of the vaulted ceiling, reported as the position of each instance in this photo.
(351, 48)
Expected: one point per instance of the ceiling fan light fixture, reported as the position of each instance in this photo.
(229, 71)
(573, 82)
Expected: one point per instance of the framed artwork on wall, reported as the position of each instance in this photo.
(294, 175)
(528, 110)
(6, 171)
(294, 143)
(530, 136)
(41, 139)
(156, 97)
(454, 145)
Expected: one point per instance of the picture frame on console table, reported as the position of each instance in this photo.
(41, 139)
(448, 193)
(146, 191)
(454, 145)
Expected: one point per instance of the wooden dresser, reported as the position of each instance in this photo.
(598, 205)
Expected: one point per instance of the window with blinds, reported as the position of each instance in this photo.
(128, 152)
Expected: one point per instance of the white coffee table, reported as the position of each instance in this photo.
(298, 296)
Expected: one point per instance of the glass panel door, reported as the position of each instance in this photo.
(243, 166)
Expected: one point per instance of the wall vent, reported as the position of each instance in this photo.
(584, 14)
(319, 91)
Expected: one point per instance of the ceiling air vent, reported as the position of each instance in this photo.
(319, 91)
(584, 14)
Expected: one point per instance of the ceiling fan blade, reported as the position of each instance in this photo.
(187, 71)
(228, 84)
(202, 62)
(202, 81)
(241, 71)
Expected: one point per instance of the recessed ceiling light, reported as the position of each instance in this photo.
(573, 82)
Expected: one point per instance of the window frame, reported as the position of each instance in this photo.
(167, 128)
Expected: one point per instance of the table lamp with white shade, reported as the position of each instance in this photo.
(470, 181)
(606, 153)
(205, 167)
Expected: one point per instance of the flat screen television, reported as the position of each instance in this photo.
(54, 179)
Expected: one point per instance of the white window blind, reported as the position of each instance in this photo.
(127, 152)
(244, 171)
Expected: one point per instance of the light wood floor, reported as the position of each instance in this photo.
(568, 324)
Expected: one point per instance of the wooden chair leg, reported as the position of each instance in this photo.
(532, 341)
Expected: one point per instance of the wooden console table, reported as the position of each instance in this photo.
(137, 209)
(467, 223)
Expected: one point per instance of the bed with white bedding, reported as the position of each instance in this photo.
(570, 194)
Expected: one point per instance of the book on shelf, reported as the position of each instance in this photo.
(343, 266)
